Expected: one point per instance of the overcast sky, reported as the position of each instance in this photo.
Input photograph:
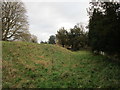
(46, 18)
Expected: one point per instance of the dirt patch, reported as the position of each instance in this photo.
(64, 65)
(75, 65)
(43, 62)
(41, 57)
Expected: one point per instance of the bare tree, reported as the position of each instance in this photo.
(14, 20)
(34, 39)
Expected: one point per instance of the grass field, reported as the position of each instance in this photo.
(49, 66)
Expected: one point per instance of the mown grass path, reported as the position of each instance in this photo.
(49, 66)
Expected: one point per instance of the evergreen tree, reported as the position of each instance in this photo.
(52, 39)
(62, 37)
(104, 28)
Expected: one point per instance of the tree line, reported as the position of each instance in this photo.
(74, 38)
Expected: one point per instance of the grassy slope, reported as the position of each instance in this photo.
(38, 65)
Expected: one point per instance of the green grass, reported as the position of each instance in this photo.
(49, 66)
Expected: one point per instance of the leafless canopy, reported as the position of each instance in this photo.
(14, 20)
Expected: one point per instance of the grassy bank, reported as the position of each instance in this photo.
(46, 66)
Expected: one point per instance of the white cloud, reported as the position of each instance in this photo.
(45, 18)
